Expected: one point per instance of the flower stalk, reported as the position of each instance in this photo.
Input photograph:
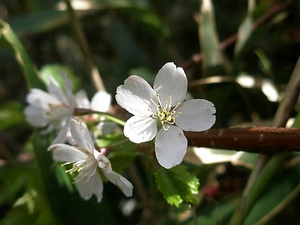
(83, 111)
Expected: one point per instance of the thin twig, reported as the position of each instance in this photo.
(91, 68)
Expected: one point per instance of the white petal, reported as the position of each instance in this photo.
(107, 127)
(82, 100)
(81, 136)
(42, 99)
(36, 116)
(170, 147)
(120, 181)
(68, 84)
(135, 95)
(140, 129)
(66, 153)
(103, 162)
(89, 186)
(62, 134)
(170, 81)
(55, 90)
(101, 101)
(196, 115)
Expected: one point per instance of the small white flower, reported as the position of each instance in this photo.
(100, 102)
(86, 160)
(161, 112)
(53, 109)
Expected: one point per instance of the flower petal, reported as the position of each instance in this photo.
(41, 99)
(68, 84)
(55, 90)
(196, 115)
(140, 129)
(171, 81)
(170, 147)
(135, 95)
(101, 101)
(120, 181)
(82, 100)
(106, 127)
(35, 116)
(103, 162)
(89, 186)
(81, 136)
(62, 134)
(66, 153)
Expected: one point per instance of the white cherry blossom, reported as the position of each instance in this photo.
(160, 112)
(86, 161)
(100, 102)
(52, 109)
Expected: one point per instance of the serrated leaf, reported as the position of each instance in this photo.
(212, 57)
(12, 42)
(177, 185)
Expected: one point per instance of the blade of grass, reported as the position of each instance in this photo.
(12, 42)
(212, 57)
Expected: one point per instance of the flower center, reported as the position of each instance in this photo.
(57, 112)
(83, 169)
(165, 114)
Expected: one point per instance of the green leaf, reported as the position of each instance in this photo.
(177, 185)
(13, 179)
(19, 215)
(274, 194)
(123, 42)
(244, 33)
(39, 22)
(122, 152)
(10, 115)
(217, 214)
(12, 42)
(149, 21)
(265, 62)
(55, 70)
(212, 57)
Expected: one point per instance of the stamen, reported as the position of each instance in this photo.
(158, 99)
(165, 114)
(166, 127)
(170, 103)
(157, 107)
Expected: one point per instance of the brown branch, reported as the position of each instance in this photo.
(196, 58)
(257, 139)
